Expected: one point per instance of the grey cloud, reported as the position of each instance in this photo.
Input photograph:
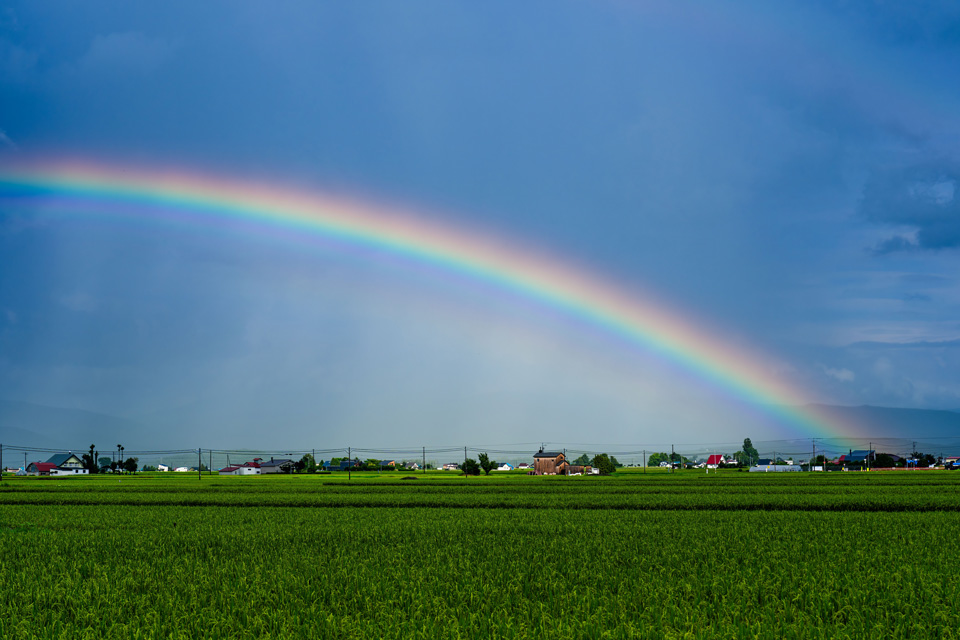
(922, 199)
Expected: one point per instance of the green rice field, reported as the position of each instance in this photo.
(687, 555)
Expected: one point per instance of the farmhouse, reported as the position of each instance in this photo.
(245, 469)
(451, 466)
(714, 461)
(549, 463)
(59, 464)
(281, 465)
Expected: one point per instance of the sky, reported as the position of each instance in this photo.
(783, 176)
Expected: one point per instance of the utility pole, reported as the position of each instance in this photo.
(1, 462)
(673, 464)
(199, 463)
(210, 464)
(869, 453)
(644, 460)
(424, 468)
(349, 463)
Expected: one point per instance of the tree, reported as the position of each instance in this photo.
(130, 465)
(583, 460)
(750, 451)
(105, 463)
(90, 460)
(470, 467)
(486, 463)
(615, 462)
(307, 463)
(656, 458)
(602, 462)
(883, 461)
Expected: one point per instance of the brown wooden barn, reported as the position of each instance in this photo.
(549, 463)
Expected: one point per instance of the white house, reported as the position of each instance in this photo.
(162, 467)
(181, 469)
(505, 467)
(245, 469)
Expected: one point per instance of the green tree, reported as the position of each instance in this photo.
(583, 460)
(90, 460)
(105, 464)
(750, 451)
(307, 463)
(883, 461)
(470, 467)
(615, 462)
(656, 458)
(130, 465)
(486, 463)
(602, 462)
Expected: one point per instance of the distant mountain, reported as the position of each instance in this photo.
(34, 425)
(891, 422)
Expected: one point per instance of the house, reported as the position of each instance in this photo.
(714, 461)
(66, 461)
(245, 469)
(505, 467)
(549, 463)
(181, 470)
(523, 465)
(451, 466)
(162, 467)
(388, 463)
(281, 465)
(40, 468)
(59, 464)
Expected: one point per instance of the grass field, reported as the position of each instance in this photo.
(729, 555)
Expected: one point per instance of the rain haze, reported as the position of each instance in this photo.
(782, 176)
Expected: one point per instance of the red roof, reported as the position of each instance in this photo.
(255, 465)
(228, 469)
(715, 459)
(44, 467)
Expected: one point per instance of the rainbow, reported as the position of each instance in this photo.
(638, 321)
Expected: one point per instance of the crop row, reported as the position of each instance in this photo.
(732, 493)
(121, 572)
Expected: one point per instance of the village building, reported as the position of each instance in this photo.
(280, 465)
(245, 469)
(59, 464)
(549, 463)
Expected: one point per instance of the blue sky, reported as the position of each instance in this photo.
(784, 174)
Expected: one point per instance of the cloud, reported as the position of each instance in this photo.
(843, 375)
(922, 199)
(124, 53)
(6, 141)
(79, 301)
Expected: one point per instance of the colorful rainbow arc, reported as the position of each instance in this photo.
(571, 291)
